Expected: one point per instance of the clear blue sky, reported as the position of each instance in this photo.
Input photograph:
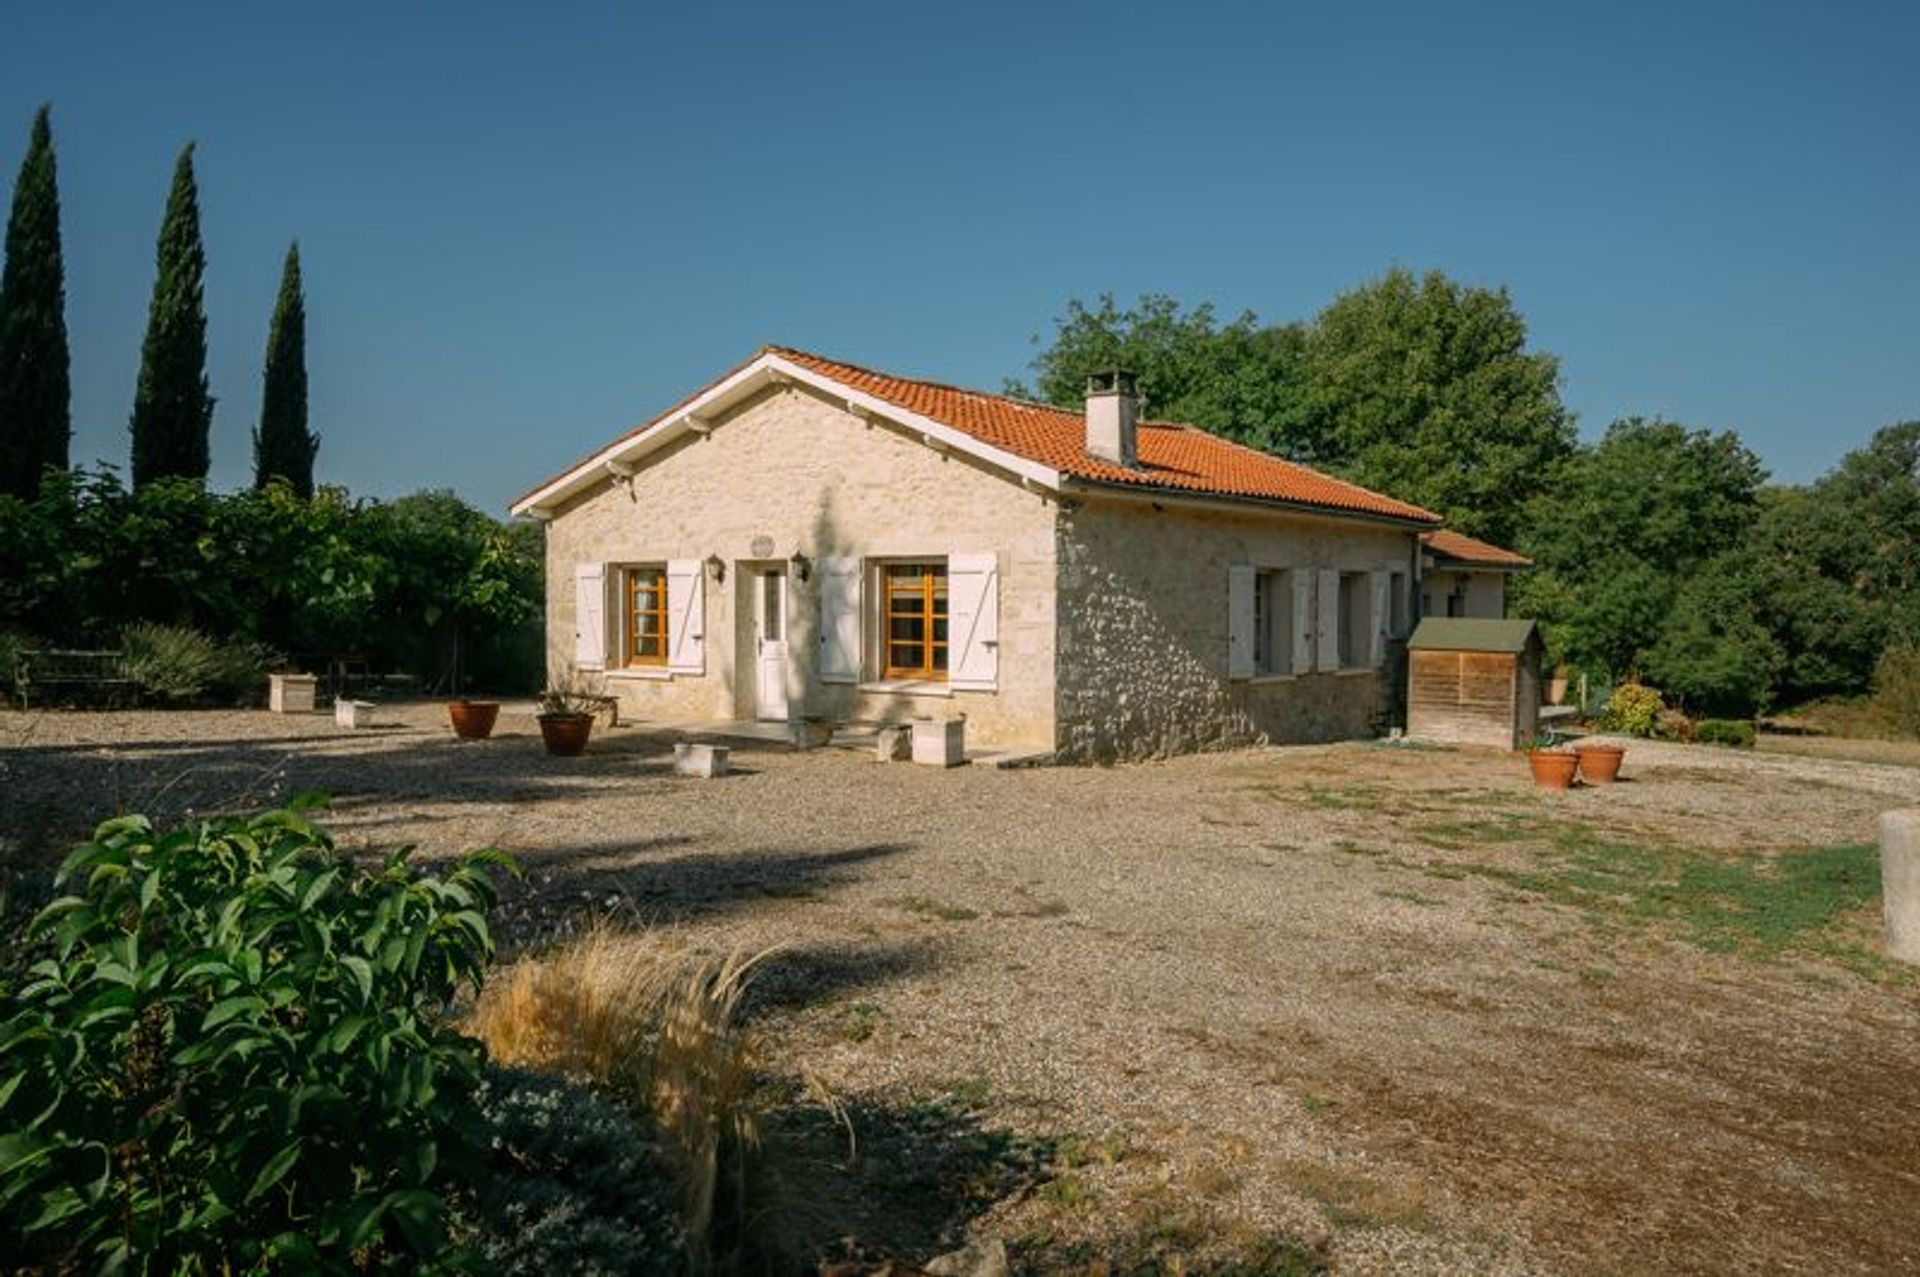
(526, 227)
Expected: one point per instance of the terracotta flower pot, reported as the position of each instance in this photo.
(473, 720)
(1553, 768)
(1599, 764)
(566, 734)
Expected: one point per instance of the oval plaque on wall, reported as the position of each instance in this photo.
(762, 547)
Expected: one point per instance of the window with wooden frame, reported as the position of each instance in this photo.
(644, 616)
(914, 620)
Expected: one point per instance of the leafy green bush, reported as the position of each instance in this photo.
(239, 675)
(577, 1185)
(167, 662)
(1724, 731)
(1632, 709)
(233, 1055)
(1896, 688)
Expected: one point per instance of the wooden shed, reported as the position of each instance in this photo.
(1473, 682)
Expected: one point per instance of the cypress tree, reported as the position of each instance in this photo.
(35, 413)
(172, 410)
(282, 447)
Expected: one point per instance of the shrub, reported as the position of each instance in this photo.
(168, 662)
(240, 670)
(1632, 709)
(1896, 688)
(576, 1185)
(1724, 731)
(233, 1057)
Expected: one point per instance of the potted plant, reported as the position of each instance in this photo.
(473, 720)
(566, 719)
(1553, 767)
(1599, 760)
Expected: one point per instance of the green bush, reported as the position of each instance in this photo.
(1896, 688)
(239, 675)
(167, 662)
(577, 1186)
(1724, 731)
(232, 1055)
(1632, 709)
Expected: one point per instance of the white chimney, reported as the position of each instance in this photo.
(1113, 417)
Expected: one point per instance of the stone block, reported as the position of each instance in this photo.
(894, 744)
(940, 742)
(353, 713)
(1900, 881)
(291, 693)
(708, 762)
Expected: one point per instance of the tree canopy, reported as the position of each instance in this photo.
(35, 394)
(283, 448)
(172, 407)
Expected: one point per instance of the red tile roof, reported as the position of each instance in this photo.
(1461, 548)
(1172, 456)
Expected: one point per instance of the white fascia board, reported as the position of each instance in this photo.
(696, 416)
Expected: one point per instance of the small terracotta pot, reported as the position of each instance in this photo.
(1599, 764)
(1553, 768)
(566, 734)
(473, 720)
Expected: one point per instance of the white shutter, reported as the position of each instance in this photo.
(686, 617)
(973, 621)
(839, 620)
(1377, 622)
(1326, 622)
(1302, 620)
(1240, 637)
(589, 616)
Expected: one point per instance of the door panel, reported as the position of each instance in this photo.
(770, 644)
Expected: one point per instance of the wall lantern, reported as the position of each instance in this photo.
(802, 565)
(716, 567)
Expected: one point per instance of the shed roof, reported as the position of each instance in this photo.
(1450, 547)
(1472, 634)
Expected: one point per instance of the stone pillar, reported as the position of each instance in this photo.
(1900, 881)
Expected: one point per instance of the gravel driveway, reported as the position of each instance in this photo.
(1308, 993)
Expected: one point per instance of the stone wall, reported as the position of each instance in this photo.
(1486, 592)
(792, 470)
(1143, 631)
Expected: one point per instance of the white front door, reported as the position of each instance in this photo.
(770, 643)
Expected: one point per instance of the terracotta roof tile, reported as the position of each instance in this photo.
(1461, 548)
(1172, 456)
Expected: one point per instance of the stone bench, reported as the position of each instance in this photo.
(707, 762)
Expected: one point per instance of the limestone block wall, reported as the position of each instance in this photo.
(792, 470)
(1143, 631)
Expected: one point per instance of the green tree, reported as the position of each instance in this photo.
(35, 421)
(172, 409)
(283, 449)
(1715, 654)
(1623, 527)
(1425, 389)
(1238, 379)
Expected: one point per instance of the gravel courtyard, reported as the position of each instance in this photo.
(1386, 1003)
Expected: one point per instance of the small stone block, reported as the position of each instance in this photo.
(291, 693)
(1900, 882)
(708, 762)
(893, 744)
(353, 713)
(940, 742)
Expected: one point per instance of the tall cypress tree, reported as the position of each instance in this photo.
(172, 410)
(282, 447)
(35, 414)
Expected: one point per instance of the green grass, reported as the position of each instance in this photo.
(1748, 903)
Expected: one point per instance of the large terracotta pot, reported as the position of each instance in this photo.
(473, 720)
(1553, 768)
(1599, 764)
(566, 734)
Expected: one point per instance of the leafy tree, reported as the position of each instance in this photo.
(1621, 530)
(283, 449)
(1425, 389)
(35, 422)
(1239, 379)
(172, 408)
(1714, 653)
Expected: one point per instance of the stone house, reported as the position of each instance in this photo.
(808, 538)
(1464, 577)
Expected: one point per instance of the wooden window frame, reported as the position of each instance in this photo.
(930, 572)
(630, 578)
